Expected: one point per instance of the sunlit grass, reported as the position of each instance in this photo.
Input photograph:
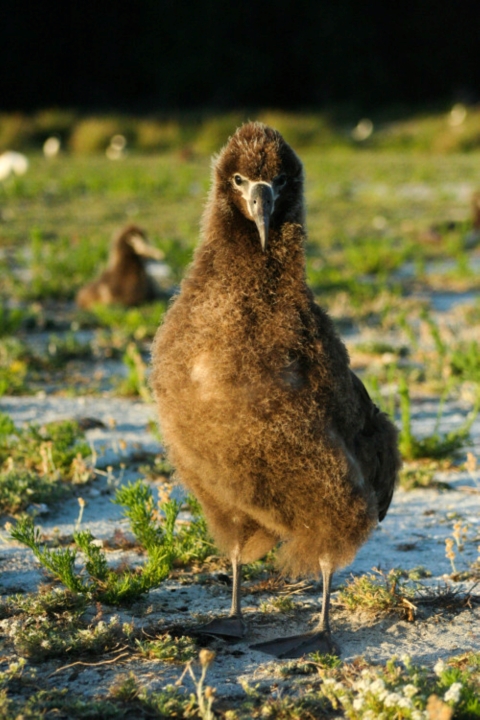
(366, 214)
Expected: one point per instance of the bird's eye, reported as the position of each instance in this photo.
(281, 180)
(238, 179)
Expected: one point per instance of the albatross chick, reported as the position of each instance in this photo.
(125, 281)
(261, 415)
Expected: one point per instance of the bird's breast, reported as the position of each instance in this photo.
(204, 378)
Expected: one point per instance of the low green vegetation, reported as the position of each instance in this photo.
(398, 690)
(421, 474)
(465, 361)
(67, 347)
(134, 323)
(49, 602)
(437, 445)
(378, 594)
(13, 366)
(11, 319)
(280, 604)
(153, 527)
(401, 592)
(404, 690)
(135, 383)
(66, 636)
(125, 699)
(57, 268)
(40, 464)
(168, 648)
(24, 369)
(21, 489)
(193, 542)
(97, 581)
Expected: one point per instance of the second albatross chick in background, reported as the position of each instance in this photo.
(125, 281)
(260, 412)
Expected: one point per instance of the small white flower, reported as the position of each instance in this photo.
(377, 686)
(439, 667)
(405, 703)
(418, 715)
(358, 703)
(410, 690)
(453, 693)
(392, 699)
(362, 684)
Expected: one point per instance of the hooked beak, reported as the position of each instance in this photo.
(260, 205)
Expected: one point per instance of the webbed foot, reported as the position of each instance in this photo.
(229, 627)
(296, 646)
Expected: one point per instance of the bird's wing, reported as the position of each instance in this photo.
(375, 441)
(376, 447)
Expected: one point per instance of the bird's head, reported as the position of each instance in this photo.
(258, 173)
(133, 242)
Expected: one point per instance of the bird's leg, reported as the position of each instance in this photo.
(233, 625)
(324, 622)
(320, 640)
(323, 626)
(235, 610)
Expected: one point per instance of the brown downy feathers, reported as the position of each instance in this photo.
(260, 412)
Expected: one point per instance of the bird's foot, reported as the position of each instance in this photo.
(229, 627)
(296, 646)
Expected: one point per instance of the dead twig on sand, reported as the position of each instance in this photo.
(85, 664)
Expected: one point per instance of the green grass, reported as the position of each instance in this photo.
(135, 383)
(40, 464)
(465, 361)
(75, 204)
(137, 323)
(437, 445)
(14, 357)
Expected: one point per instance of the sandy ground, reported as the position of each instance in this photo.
(412, 535)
